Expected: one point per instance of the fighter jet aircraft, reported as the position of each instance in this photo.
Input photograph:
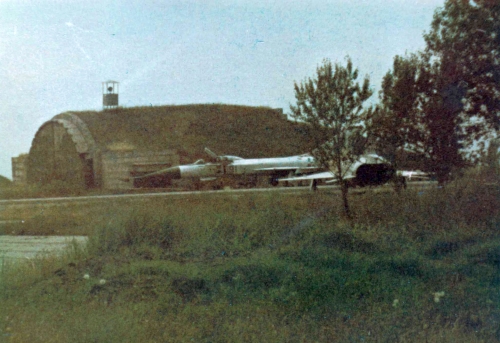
(197, 171)
(230, 166)
(367, 170)
(273, 167)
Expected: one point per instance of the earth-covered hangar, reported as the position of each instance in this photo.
(102, 149)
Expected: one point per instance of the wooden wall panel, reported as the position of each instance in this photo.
(117, 166)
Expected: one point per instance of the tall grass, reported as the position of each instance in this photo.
(278, 268)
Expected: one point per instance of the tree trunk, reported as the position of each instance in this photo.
(345, 189)
(443, 170)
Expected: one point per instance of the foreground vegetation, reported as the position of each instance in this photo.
(420, 266)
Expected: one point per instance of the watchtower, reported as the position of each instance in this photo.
(110, 94)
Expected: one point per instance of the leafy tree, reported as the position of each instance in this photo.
(396, 131)
(444, 99)
(332, 103)
(460, 87)
(416, 117)
(465, 37)
(440, 119)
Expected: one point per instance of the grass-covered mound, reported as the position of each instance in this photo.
(228, 129)
(4, 182)
(418, 267)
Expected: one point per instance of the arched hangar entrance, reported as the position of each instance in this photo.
(64, 150)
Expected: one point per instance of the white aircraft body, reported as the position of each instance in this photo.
(413, 175)
(274, 167)
(232, 166)
(367, 170)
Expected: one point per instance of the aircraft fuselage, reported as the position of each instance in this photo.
(276, 165)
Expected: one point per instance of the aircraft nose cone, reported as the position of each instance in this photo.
(173, 173)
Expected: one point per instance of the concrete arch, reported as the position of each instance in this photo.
(64, 149)
(79, 132)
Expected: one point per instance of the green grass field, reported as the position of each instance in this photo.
(414, 267)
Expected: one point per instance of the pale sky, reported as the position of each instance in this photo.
(55, 54)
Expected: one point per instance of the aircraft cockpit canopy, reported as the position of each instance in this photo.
(200, 161)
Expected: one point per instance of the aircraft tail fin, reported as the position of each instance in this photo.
(211, 153)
